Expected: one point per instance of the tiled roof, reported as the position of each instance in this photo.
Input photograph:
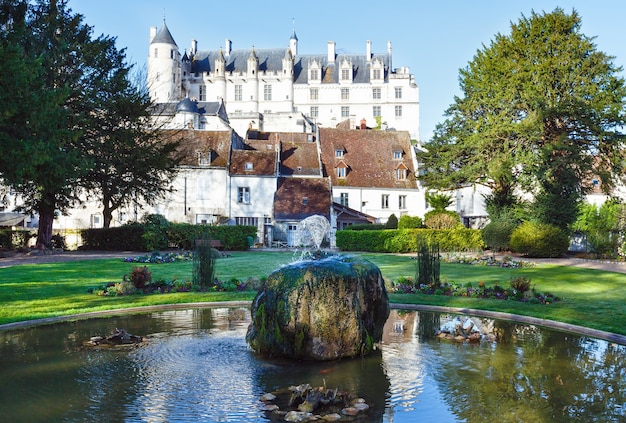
(298, 155)
(208, 148)
(299, 198)
(253, 162)
(369, 157)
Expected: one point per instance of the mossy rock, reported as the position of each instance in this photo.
(323, 309)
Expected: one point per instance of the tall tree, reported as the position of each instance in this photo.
(131, 161)
(541, 111)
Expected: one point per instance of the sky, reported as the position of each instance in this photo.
(434, 39)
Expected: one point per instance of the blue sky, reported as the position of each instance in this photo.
(433, 38)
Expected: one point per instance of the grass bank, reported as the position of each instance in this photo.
(590, 298)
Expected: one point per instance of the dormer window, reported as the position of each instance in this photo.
(401, 172)
(341, 172)
(305, 201)
(249, 166)
(345, 74)
(339, 153)
(397, 155)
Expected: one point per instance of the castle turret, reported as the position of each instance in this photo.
(293, 44)
(164, 66)
(220, 76)
(252, 71)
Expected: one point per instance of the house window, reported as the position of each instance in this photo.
(402, 202)
(238, 93)
(243, 195)
(398, 111)
(398, 92)
(397, 155)
(345, 111)
(267, 92)
(376, 74)
(384, 201)
(401, 174)
(249, 166)
(202, 93)
(345, 93)
(341, 172)
(314, 112)
(345, 74)
(339, 153)
(315, 74)
(314, 92)
(376, 111)
(376, 94)
(305, 201)
(247, 221)
(343, 199)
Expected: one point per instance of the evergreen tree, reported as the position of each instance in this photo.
(541, 111)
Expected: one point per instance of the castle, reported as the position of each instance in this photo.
(261, 86)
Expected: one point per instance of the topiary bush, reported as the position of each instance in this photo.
(442, 219)
(410, 222)
(392, 222)
(497, 234)
(535, 239)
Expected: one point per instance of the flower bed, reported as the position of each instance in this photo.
(157, 258)
(505, 261)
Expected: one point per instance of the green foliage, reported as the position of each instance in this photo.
(539, 240)
(520, 284)
(11, 240)
(442, 219)
(392, 222)
(155, 232)
(603, 227)
(439, 201)
(410, 222)
(204, 263)
(406, 240)
(497, 233)
(122, 238)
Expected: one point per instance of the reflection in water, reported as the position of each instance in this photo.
(197, 367)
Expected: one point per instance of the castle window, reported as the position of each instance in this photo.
(376, 74)
(315, 74)
(171, 54)
(345, 74)
(398, 111)
(238, 93)
(156, 52)
(375, 93)
(398, 92)
(345, 111)
(267, 92)
(345, 93)
(376, 111)
(314, 93)
(202, 93)
(314, 112)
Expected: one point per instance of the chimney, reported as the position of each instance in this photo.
(194, 47)
(152, 33)
(228, 47)
(368, 50)
(389, 55)
(331, 52)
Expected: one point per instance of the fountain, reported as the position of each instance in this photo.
(312, 231)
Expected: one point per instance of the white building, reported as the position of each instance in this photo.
(254, 84)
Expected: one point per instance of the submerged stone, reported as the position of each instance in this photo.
(323, 309)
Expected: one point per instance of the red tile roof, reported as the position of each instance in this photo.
(299, 198)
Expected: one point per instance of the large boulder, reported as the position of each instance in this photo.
(323, 309)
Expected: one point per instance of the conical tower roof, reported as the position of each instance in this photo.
(164, 36)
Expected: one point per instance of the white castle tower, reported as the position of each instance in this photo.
(164, 66)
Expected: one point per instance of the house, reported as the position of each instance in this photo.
(372, 172)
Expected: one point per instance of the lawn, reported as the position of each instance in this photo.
(589, 298)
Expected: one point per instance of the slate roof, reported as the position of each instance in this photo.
(271, 60)
(368, 157)
(164, 36)
(211, 148)
(299, 198)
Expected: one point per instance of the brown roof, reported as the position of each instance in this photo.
(368, 156)
(253, 162)
(210, 148)
(299, 155)
(299, 198)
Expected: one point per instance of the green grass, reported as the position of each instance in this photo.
(590, 298)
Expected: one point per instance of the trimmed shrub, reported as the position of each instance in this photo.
(497, 234)
(392, 222)
(123, 238)
(410, 222)
(539, 240)
(442, 219)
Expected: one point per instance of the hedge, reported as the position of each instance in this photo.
(407, 240)
(138, 237)
(13, 239)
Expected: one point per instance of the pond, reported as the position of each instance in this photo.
(197, 367)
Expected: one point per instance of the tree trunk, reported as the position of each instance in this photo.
(107, 215)
(44, 233)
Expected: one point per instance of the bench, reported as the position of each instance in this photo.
(213, 243)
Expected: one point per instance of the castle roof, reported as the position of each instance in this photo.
(164, 36)
(271, 60)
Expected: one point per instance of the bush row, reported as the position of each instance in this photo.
(11, 240)
(407, 240)
(150, 236)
